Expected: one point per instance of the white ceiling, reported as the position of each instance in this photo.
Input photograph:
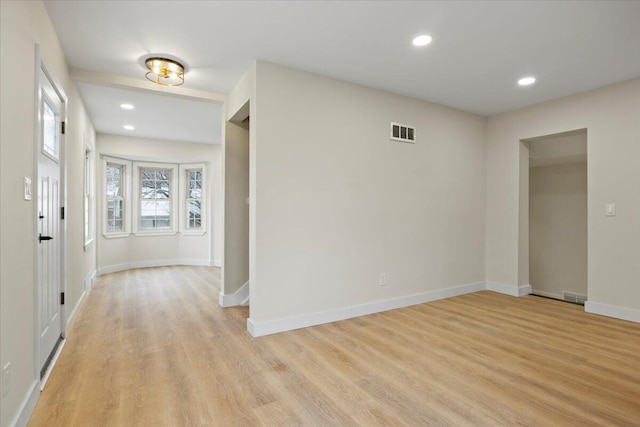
(154, 116)
(479, 48)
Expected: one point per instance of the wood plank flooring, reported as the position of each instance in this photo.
(152, 347)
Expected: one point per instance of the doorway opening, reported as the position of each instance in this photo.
(235, 269)
(557, 199)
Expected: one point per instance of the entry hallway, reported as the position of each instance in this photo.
(152, 347)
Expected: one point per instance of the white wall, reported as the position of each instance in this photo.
(22, 25)
(81, 261)
(218, 207)
(558, 228)
(119, 253)
(337, 202)
(523, 206)
(611, 116)
(236, 244)
(239, 180)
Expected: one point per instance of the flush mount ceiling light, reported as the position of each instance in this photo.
(422, 40)
(126, 106)
(526, 81)
(163, 71)
(128, 127)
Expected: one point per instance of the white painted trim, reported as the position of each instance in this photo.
(547, 294)
(268, 327)
(237, 298)
(216, 263)
(154, 233)
(193, 261)
(151, 263)
(113, 80)
(90, 280)
(28, 405)
(624, 313)
(174, 213)
(182, 203)
(72, 316)
(126, 197)
(513, 290)
(45, 378)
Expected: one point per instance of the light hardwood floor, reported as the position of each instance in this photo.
(152, 347)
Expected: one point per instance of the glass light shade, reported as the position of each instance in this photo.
(165, 71)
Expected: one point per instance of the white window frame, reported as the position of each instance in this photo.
(184, 182)
(88, 202)
(126, 197)
(137, 199)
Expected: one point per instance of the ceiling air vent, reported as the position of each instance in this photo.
(403, 133)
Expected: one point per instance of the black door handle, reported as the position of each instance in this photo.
(41, 238)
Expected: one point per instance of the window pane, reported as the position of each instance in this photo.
(50, 134)
(195, 193)
(155, 214)
(115, 209)
(148, 189)
(147, 210)
(163, 210)
(194, 215)
(149, 175)
(155, 208)
(162, 189)
(194, 184)
(111, 209)
(114, 180)
(146, 223)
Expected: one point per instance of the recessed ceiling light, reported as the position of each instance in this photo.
(526, 81)
(128, 127)
(126, 106)
(422, 40)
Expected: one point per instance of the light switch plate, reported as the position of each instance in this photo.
(610, 209)
(27, 188)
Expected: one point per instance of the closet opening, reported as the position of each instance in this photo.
(557, 209)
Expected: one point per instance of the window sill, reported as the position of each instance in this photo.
(116, 235)
(193, 233)
(155, 233)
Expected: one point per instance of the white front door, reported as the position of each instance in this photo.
(49, 239)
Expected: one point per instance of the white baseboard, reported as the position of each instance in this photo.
(28, 405)
(72, 316)
(194, 261)
(513, 290)
(615, 311)
(151, 263)
(216, 263)
(52, 364)
(268, 327)
(237, 298)
(547, 294)
(90, 280)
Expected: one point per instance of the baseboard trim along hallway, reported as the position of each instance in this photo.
(614, 311)
(258, 329)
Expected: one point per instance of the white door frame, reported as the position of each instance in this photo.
(39, 65)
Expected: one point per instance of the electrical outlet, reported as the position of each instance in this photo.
(382, 279)
(6, 379)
